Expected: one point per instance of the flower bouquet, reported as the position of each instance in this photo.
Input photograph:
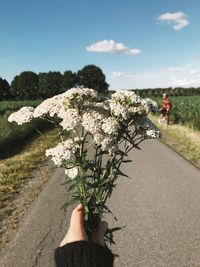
(96, 136)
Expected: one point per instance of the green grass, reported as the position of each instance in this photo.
(7, 107)
(16, 170)
(183, 140)
(13, 136)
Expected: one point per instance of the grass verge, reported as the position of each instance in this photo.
(182, 139)
(16, 171)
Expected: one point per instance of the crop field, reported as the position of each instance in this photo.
(7, 107)
(185, 110)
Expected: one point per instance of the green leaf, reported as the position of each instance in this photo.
(70, 202)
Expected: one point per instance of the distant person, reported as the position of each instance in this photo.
(165, 108)
(77, 250)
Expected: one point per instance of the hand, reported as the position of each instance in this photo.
(76, 231)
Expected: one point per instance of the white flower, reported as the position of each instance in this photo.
(92, 121)
(71, 119)
(153, 133)
(21, 116)
(51, 106)
(63, 151)
(118, 110)
(109, 143)
(110, 125)
(77, 97)
(72, 172)
(126, 104)
(153, 106)
(147, 127)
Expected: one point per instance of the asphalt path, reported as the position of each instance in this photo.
(160, 206)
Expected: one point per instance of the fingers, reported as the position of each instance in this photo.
(98, 236)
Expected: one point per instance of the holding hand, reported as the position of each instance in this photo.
(76, 231)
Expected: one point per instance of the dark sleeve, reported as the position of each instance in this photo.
(83, 254)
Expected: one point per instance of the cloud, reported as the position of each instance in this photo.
(185, 82)
(178, 19)
(173, 69)
(194, 72)
(110, 46)
(134, 52)
(117, 74)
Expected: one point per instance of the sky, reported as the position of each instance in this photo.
(136, 43)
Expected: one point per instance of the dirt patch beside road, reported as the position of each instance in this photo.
(16, 207)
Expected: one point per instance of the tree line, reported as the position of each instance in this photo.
(177, 91)
(30, 85)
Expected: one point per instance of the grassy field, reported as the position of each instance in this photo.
(12, 136)
(16, 170)
(182, 139)
(7, 107)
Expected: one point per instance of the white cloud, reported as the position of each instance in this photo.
(185, 82)
(174, 76)
(178, 19)
(117, 73)
(110, 46)
(173, 69)
(194, 72)
(134, 51)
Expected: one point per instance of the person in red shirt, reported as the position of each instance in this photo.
(165, 108)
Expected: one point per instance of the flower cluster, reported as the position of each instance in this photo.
(23, 115)
(64, 151)
(126, 104)
(64, 155)
(111, 128)
(78, 108)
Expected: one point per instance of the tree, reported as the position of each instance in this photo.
(4, 89)
(25, 86)
(70, 79)
(50, 84)
(92, 76)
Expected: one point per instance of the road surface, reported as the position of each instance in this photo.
(160, 206)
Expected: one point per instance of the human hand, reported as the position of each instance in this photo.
(76, 231)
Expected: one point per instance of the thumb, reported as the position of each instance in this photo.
(77, 217)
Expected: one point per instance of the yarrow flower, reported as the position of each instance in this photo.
(72, 172)
(23, 115)
(76, 98)
(96, 136)
(71, 119)
(126, 104)
(64, 151)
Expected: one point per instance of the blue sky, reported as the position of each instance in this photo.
(137, 43)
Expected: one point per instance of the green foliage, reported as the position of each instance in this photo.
(12, 135)
(70, 80)
(25, 86)
(50, 84)
(4, 89)
(178, 91)
(7, 107)
(92, 77)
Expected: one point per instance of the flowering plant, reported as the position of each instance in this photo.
(96, 136)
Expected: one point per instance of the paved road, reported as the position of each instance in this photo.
(160, 206)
